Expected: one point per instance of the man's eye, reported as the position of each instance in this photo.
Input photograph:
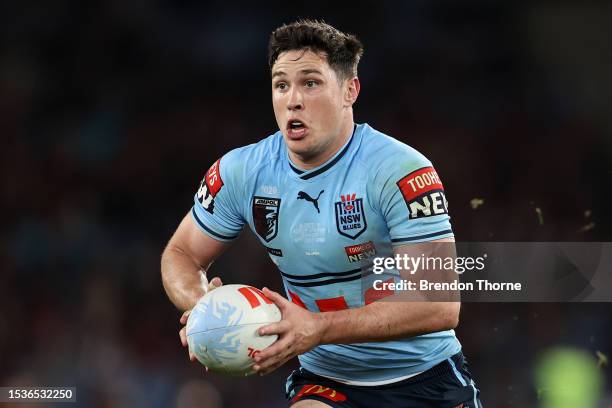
(281, 85)
(311, 84)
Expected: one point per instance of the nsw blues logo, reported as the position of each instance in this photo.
(350, 216)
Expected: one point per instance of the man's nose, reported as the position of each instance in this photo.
(295, 100)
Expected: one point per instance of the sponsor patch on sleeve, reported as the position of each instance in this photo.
(423, 193)
(209, 187)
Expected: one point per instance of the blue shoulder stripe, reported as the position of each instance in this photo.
(211, 232)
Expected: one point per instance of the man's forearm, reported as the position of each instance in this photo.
(181, 278)
(382, 321)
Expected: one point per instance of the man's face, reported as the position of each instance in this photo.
(309, 103)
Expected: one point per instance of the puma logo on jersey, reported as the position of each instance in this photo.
(315, 201)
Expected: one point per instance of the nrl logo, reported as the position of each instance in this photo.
(350, 216)
(265, 217)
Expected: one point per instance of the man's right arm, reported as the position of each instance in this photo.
(188, 252)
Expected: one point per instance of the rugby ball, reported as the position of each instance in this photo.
(222, 328)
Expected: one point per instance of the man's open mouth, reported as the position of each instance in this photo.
(296, 128)
(295, 124)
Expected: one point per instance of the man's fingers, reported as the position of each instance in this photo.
(274, 328)
(183, 336)
(281, 347)
(280, 301)
(263, 370)
(185, 316)
(209, 285)
(215, 283)
(268, 370)
(271, 352)
(275, 355)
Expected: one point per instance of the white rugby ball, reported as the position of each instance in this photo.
(222, 328)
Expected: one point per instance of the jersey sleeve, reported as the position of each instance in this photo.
(216, 208)
(412, 199)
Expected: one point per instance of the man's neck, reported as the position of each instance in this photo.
(311, 163)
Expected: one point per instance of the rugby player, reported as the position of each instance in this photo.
(324, 195)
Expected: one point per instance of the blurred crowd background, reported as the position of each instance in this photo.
(111, 112)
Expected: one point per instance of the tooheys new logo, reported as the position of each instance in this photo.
(209, 187)
(360, 252)
(423, 193)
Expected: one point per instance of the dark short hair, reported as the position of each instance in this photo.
(342, 50)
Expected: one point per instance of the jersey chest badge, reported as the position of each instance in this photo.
(265, 217)
(350, 216)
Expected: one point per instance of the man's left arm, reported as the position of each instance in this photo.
(389, 319)
(302, 330)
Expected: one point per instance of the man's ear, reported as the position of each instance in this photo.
(351, 92)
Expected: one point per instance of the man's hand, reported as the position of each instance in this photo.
(208, 286)
(299, 331)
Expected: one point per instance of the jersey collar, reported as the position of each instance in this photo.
(308, 174)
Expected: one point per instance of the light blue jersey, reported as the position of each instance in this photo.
(323, 226)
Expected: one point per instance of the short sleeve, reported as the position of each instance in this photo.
(412, 199)
(216, 208)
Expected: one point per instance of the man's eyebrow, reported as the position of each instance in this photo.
(303, 72)
(311, 71)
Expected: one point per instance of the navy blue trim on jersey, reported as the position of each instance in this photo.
(416, 238)
(325, 282)
(298, 171)
(319, 275)
(328, 165)
(216, 234)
